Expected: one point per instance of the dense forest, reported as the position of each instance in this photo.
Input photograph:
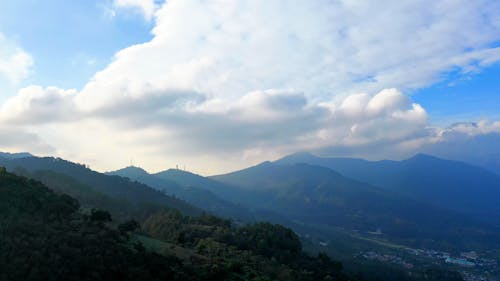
(47, 235)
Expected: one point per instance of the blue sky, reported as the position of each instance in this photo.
(461, 98)
(235, 83)
(70, 41)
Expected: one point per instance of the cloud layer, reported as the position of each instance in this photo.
(15, 63)
(473, 142)
(226, 82)
(145, 7)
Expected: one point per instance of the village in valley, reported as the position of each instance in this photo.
(473, 266)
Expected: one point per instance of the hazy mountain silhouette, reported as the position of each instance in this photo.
(308, 198)
(15, 155)
(449, 184)
(189, 179)
(115, 187)
(481, 150)
(187, 186)
(317, 195)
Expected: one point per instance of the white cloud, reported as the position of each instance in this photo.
(387, 101)
(321, 48)
(363, 119)
(471, 129)
(184, 125)
(242, 81)
(15, 63)
(37, 105)
(145, 7)
(472, 142)
(16, 139)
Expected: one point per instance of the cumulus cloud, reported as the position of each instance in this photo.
(471, 129)
(145, 7)
(245, 81)
(186, 124)
(321, 48)
(17, 140)
(472, 142)
(362, 119)
(15, 63)
(36, 105)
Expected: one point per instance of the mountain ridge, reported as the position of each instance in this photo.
(197, 194)
(318, 195)
(112, 186)
(451, 184)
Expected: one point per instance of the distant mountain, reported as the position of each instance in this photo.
(189, 179)
(187, 186)
(131, 172)
(140, 175)
(480, 150)
(449, 184)
(15, 155)
(235, 195)
(322, 198)
(115, 187)
(186, 178)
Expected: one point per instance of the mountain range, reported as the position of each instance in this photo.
(96, 189)
(308, 194)
(452, 185)
(320, 197)
(355, 204)
(185, 185)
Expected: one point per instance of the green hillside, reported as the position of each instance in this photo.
(320, 197)
(115, 187)
(203, 247)
(192, 192)
(45, 236)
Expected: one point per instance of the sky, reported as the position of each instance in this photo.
(220, 85)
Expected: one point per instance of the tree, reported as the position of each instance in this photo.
(128, 226)
(100, 216)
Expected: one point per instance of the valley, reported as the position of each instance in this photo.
(373, 231)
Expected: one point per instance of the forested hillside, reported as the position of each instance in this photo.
(318, 196)
(195, 194)
(46, 236)
(458, 186)
(115, 187)
(50, 236)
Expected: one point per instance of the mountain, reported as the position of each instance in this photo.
(45, 237)
(320, 197)
(115, 187)
(15, 155)
(207, 194)
(448, 184)
(131, 172)
(189, 179)
(90, 198)
(196, 192)
(480, 150)
(47, 234)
